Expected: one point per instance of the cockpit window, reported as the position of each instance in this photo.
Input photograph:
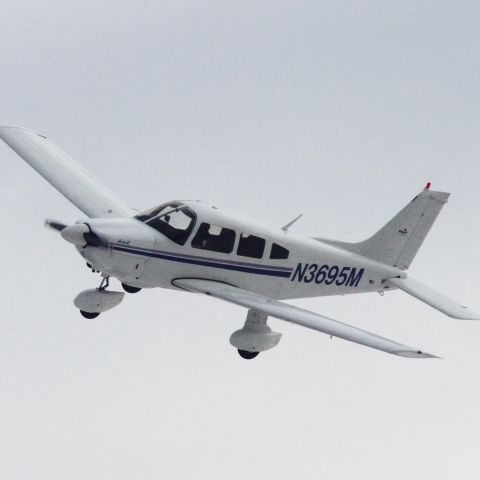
(174, 220)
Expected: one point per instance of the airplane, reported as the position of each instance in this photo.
(196, 247)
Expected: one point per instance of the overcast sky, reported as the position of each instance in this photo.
(340, 110)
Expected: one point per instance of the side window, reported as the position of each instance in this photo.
(251, 246)
(278, 252)
(214, 238)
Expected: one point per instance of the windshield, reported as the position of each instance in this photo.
(174, 220)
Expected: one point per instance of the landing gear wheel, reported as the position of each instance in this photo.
(89, 314)
(130, 289)
(247, 355)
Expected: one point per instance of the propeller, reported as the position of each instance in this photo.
(54, 225)
(79, 234)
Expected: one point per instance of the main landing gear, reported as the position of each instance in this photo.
(255, 336)
(89, 315)
(130, 289)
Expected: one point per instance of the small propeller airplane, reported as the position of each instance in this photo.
(196, 247)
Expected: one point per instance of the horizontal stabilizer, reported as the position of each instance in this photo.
(433, 298)
(299, 316)
(65, 174)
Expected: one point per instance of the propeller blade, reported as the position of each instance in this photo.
(54, 225)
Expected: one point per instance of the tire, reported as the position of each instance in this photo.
(247, 355)
(89, 315)
(130, 289)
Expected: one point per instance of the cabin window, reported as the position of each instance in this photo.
(174, 220)
(250, 246)
(214, 238)
(278, 252)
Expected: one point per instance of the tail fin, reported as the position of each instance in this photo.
(398, 241)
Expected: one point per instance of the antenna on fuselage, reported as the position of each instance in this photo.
(288, 225)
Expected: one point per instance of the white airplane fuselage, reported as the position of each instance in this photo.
(140, 256)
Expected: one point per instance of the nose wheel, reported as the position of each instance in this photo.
(103, 285)
(94, 301)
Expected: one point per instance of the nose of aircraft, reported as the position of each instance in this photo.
(103, 232)
(75, 234)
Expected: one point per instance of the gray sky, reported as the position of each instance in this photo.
(340, 110)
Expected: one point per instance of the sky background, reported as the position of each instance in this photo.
(340, 110)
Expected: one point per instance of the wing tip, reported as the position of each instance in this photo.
(466, 314)
(5, 128)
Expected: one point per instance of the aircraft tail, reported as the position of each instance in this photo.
(399, 240)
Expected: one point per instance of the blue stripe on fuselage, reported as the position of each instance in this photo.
(255, 269)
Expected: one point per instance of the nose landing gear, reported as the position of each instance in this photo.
(94, 301)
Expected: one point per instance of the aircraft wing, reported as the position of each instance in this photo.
(296, 315)
(65, 174)
(433, 298)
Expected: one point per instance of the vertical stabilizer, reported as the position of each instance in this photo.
(399, 240)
